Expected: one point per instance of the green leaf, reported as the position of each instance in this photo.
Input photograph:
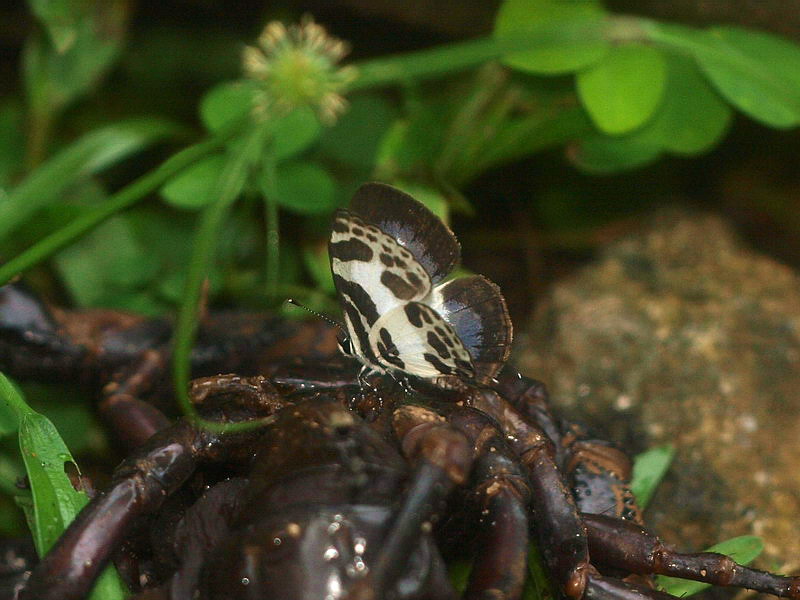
(575, 27)
(355, 139)
(603, 155)
(315, 258)
(458, 573)
(108, 260)
(84, 157)
(305, 188)
(622, 91)
(10, 406)
(649, 469)
(692, 118)
(743, 549)
(86, 46)
(226, 103)
(414, 142)
(59, 18)
(757, 72)
(192, 188)
(11, 140)
(539, 584)
(294, 133)
(55, 502)
(764, 78)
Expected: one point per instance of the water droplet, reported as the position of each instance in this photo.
(360, 545)
(331, 553)
(277, 541)
(245, 581)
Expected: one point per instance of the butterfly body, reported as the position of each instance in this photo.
(388, 256)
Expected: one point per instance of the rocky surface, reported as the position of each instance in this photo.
(683, 335)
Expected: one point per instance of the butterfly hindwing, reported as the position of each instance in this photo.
(476, 310)
(414, 339)
(414, 226)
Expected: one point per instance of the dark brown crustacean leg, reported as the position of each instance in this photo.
(625, 545)
(502, 494)
(525, 418)
(133, 420)
(559, 529)
(599, 475)
(51, 344)
(443, 458)
(139, 487)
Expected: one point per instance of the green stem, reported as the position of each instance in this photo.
(38, 136)
(123, 199)
(229, 187)
(273, 230)
(434, 62)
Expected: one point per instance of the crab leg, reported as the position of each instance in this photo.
(443, 459)
(608, 588)
(503, 495)
(560, 531)
(139, 487)
(626, 545)
(131, 419)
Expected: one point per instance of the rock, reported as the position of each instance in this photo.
(682, 335)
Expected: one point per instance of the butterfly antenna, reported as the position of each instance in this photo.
(325, 318)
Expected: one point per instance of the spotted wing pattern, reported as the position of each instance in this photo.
(373, 274)
(413, 338)
(415, 227)
(476, 310)
(387, 252)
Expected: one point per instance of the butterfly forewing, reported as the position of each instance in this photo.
(411, 224)
(372, 273)
(414, 339)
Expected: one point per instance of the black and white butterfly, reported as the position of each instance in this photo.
(388, 256)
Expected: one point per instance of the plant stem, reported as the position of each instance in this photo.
(123, 199)
(273, 230)
(443, 60)
(229, 186)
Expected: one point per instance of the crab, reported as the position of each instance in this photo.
(342, 490)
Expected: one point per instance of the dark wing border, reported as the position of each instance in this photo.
(476, 310)
(412, 224)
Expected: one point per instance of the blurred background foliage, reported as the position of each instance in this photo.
(566, 119)
(147, 147)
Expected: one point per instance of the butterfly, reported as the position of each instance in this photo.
(389, 255)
